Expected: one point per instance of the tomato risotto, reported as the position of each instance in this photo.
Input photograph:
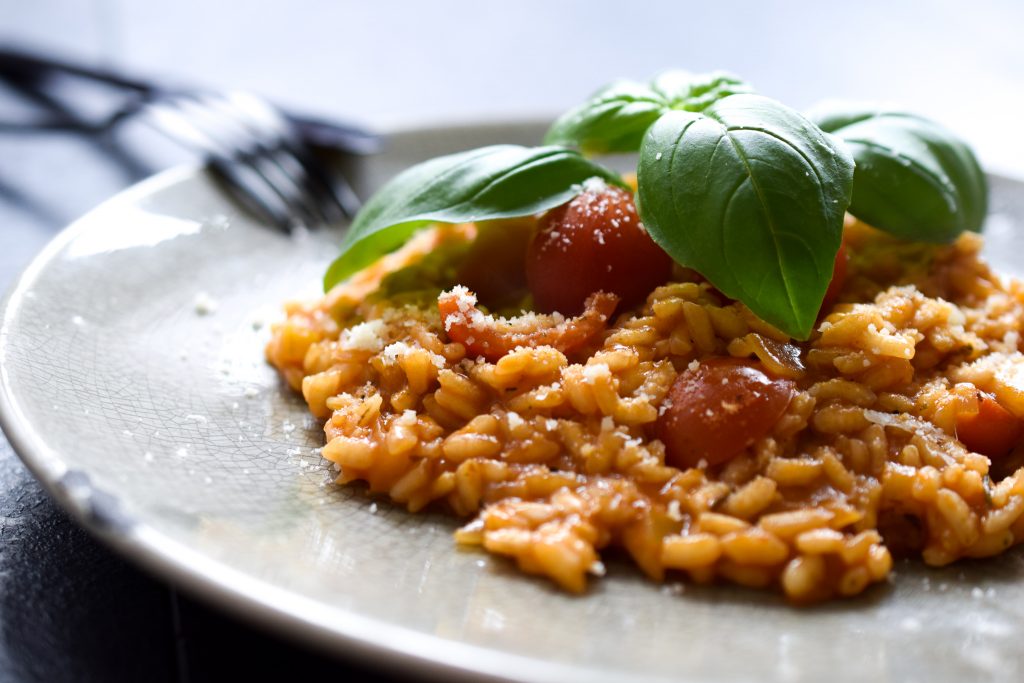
(673, 423)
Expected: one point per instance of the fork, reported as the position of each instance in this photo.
(264, 155)
(265, 164)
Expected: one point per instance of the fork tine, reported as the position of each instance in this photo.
(257, 151)
(247, 148)
(184, 119)
(330, 187)
(253, 192)
(273, 144)
(336, 186)
(245, 183)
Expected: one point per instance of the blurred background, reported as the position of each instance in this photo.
(69, 610)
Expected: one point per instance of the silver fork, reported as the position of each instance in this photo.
(258, 154)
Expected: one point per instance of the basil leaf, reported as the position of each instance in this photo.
(613, 120)
(502, 181)
(914, 178)
(752, 195)
(616, 118)
(697, 92)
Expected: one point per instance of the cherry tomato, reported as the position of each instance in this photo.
(493, 266)
(838, 280)
(718, 409)
(992, 431)
(593, 243)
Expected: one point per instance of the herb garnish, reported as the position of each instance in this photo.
(737, 186)
(914, 178)
(502, 181)
(616, 118)
(751, 195)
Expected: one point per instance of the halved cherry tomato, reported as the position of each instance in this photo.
(838, 280)
(992, 431)
(593, 243)
(718, 409)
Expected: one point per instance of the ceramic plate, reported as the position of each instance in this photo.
(134, 387)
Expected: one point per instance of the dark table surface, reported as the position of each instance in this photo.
(72, 610)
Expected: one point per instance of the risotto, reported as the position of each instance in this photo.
(892, 430)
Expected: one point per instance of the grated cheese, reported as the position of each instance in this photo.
(592, 373)
(205, 304)
(400, 349)
(364, 336)
(594, 185)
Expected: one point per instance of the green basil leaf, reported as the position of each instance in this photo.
(613, 120)
(502, 181)
(914, 178)
(616, 118)
(751, 195)
(696, 92)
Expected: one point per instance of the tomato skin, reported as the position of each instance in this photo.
(992, 431)
(493, 266)
(835, 286)
(718, 409)
(593, 243)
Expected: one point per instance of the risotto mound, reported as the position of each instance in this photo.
(549, 446)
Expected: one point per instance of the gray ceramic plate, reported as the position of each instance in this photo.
(163, 431)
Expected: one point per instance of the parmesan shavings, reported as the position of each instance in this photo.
(594, 185)
(365, 336)
(400, 349)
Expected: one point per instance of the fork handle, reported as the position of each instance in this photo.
(31, 66)
(35, 66)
